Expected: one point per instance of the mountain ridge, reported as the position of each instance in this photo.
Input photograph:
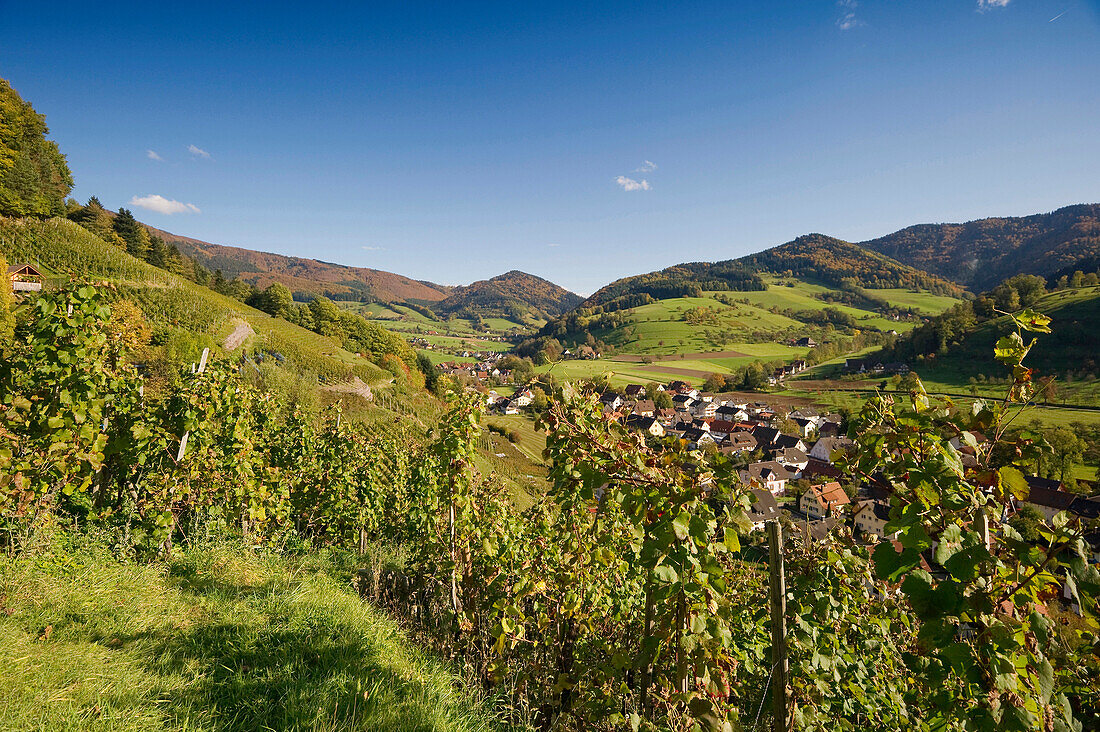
(983, 252)
(518, 294)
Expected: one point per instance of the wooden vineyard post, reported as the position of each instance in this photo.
(780, 668)
(199, 370)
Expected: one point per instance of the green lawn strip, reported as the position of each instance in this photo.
(214, 640)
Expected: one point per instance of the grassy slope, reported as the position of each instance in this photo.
(215, 640)
(63, 249)
(660, 329)
(1071, 347)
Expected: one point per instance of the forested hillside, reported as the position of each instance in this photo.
(982, 253)
(34, 177)
(307, 277)
(515, 295)
(841, 264)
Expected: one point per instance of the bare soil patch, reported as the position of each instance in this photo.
(239, 335)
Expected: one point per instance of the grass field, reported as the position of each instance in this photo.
(219, 639)
(661, 327)
(924, 302)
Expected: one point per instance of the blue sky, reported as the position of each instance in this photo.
(580, 142)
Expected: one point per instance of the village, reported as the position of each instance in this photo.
(791, 457)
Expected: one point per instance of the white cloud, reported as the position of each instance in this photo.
(848, 18)
(166, 206)
(373, 249)
(553, 245)
(647, 167)
(152, 155)
(198, 152)
(984, 5)
(629, 184)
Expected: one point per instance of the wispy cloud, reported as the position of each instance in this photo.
(152, 155)
(373, 249)
(848, 18)
(647, 167)
(160, 204)
(629, 184)
(984, 5)
(553, 245)
(198, 152)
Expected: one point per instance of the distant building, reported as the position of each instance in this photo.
(820, 501)
(764, 508)
(871, 518)
(24, 278)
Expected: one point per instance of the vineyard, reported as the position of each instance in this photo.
(66, 251)
(634, 594)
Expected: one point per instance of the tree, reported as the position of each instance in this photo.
(34, 176)
(1029, 522)
(277, 300)
(715, 383)
(662, 400)
(97, 220)
(7, 302)
(132, 233)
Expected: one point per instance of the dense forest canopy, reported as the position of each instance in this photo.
(34, 177)
(830, 261)
(514, 295)
(982, 253)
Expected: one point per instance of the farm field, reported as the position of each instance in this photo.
(924, 302)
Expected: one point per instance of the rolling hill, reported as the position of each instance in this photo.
(516, 295)
(810, 287)
(309, 277)
(982, 253)
(185, 312)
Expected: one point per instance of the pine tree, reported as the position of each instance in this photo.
(133, 233)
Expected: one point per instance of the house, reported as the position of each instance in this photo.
(644, 407)
(703, 409)
(508, 406)
(765, 436)
(523, 398)
(697, 437)
(731, 413)
(870, 519)
(666, 416)
(787, 442)
(769, 474)
(824, 448)
(1047, 497)
(764, 508)
(806, 343)
(611, 400)
(817, 468)
(820, 501)
(682, 402)
(737, 442)
(830, 425)
(793, 459)
(816, 530)
(24, 278)
(634, 391)
(645, 424)
(806, 425)
(721, 428)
